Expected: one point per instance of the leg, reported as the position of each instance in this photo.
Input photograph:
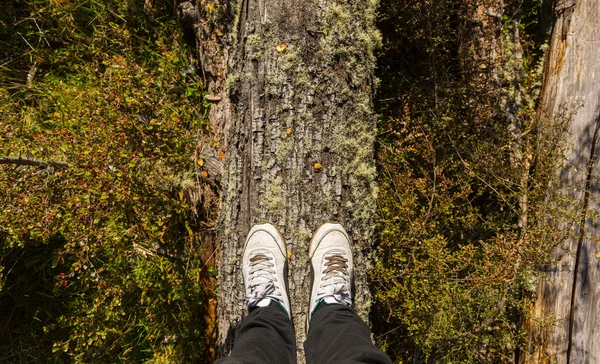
(335, 332)
(338, 335)
(266, 335)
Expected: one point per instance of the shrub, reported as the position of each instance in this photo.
(100, 257)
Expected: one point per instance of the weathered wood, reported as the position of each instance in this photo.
(568, 297)
(299, 136)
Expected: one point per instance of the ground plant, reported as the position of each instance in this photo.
(99, 256)
(455, 265)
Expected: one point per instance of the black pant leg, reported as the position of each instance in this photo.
(338, 335)
(266, 335)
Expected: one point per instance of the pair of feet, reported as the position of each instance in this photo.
(265, 267)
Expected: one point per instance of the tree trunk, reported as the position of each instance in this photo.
(568, 298)
(298, 132)
(480, 54)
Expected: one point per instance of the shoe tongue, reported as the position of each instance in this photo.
(260, 252)
(335, 252)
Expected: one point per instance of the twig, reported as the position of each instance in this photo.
(31, 74)
(30, 46)
(40, 29)
(31, 162)
(481, 179)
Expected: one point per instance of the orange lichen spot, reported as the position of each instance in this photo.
(281, 48)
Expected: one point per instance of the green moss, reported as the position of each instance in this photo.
(274, 196)
(106, 101)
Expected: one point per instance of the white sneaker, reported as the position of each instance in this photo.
(264, 267)
(331, 267)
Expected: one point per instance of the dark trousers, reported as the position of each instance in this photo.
(336, 335)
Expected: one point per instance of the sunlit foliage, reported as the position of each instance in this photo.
(98, 257)
(453, 268)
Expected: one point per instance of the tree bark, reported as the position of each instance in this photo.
(298, 132)
(480, 54)
(568, 297)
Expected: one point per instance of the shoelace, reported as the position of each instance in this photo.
(262, 279)
(336, 280)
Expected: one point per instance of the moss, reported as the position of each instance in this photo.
(236, 5)
(231, 84)
(101, 105)
(290, 58)
(284, 146)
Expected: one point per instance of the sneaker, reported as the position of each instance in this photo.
(331, 268)
(264, 267)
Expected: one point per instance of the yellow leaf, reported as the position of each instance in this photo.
(281, 48)
(218, 32)
(288, 131)
(289, 254)
(200, 162)
(318, 166)
(189, 229)
(598, 255)
(210, 8)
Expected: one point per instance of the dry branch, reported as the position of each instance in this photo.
(31, 162)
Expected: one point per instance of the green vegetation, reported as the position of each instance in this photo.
(99, 259)
(101, 254)
(454, 269)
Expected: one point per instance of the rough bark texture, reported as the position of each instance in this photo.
(568, 299)
(299, 133)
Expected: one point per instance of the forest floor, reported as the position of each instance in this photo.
(111, 262)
